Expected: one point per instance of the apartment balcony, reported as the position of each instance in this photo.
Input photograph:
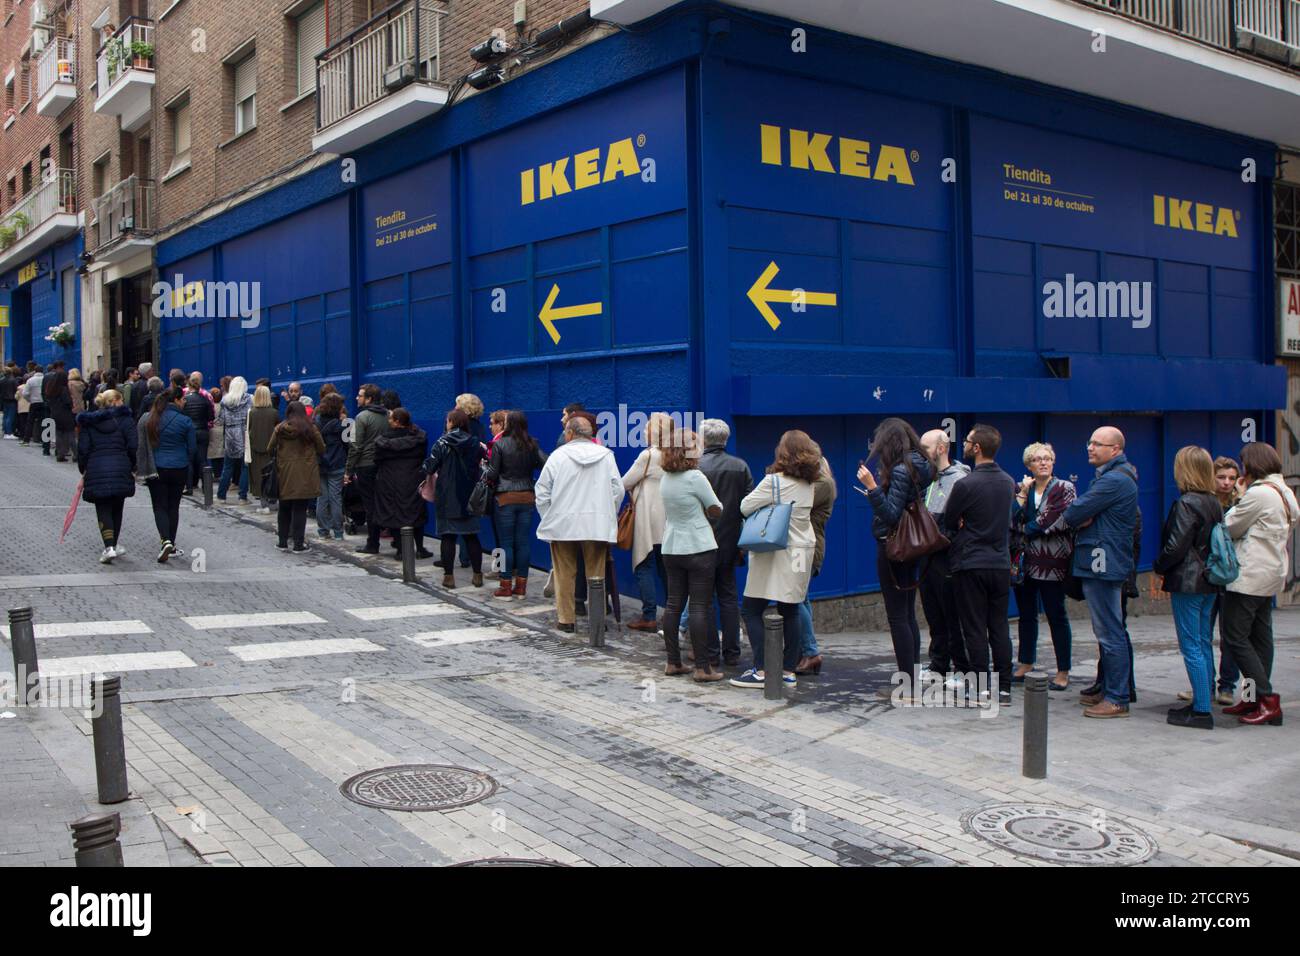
(383, 76)
(124, 221)
(56, 76)
(125, 75)
(1220, 63)
(44, 216)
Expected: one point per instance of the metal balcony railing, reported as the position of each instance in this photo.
(130, 48)
(125, 209)
(1220, 23)
(396, 47)
(55, 195)
(57, 64)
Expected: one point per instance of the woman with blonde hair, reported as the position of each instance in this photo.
(1184, 553)
(262, 419)
(232, 417)
(782, 575)
(642, 484)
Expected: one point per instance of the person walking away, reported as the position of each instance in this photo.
(1183, 558)
(938, 595)
(689, 553)
(329, 420)
(1046, 547)
(515, 456)
(296, 446)
(399, 453)
(36, 412)
(977, 522)
(166, 439)
(216, 440)
(642, 482)
(1260, 524)
(198, 406)
(824, 492)
(905, 475)
(578, 494)
(262, 419)
(455, 459)
(370, 423)
(731, 481)
(1104, 518)
(106, 458)
(232, 417)
(58, 403)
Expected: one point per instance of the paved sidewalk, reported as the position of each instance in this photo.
(257, 682)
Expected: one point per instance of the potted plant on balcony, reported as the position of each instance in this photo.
(114, 53)
(61, 334)
(21, 221)
(8, 236)
(143, 54)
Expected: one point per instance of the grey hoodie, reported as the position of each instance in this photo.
(936, 498)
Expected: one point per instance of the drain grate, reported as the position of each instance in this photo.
(1061, 834)
(509, 861)
(419, 787)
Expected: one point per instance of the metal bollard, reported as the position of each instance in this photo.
(110, 748)
(596, 611)
(773, 650)
(207, 486)
(95, 840)
(26, 667)
(1034, 759)
(408, 555)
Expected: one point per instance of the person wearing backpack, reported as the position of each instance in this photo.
(1190, 571)
(1261, 523)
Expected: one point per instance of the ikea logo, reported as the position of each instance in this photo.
(820, 151)
(1196, 216)
(589, 169)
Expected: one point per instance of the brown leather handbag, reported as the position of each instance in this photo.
(627, 517)
(916, 535)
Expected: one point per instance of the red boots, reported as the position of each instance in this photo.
(1241, 707)
(1269, 711)
(521, 588)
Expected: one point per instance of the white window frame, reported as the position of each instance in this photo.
(242, 123)
(180, 158)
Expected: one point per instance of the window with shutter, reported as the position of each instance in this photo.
(311, 40)
(246, 95)
(180, 116)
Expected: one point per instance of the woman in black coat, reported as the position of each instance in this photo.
(456, 459)
(106, 449)
(399, 453)
(58, 405)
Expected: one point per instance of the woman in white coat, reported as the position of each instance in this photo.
(1260, 525)
(642, 483)
(782, 576)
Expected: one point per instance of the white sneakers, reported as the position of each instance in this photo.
(11, 438)
(108, 556)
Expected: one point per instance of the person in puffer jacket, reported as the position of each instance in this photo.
(1261, 524)
(331, 419)
(1184, 552)
(905, 473)
(167, 441)
(106, 449)
(232, 416)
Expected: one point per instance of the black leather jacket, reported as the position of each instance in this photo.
(731, 480)
(199, 410)
(512, 465)
(1185, 544)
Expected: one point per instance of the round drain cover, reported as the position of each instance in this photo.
(416, 787)
(509, 861)
(1060, 834)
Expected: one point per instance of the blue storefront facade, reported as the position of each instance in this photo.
(41, 290)
(694, 219)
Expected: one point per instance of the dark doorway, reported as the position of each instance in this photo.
(132, 327)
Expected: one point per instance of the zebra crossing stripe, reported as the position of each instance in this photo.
(87, 628)
(461, 635)
(394, 612)
(279, 650)
(215, 622)
(113, 663)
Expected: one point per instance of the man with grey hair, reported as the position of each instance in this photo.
(731, 480)
(938, 597)
(577, 494)
(155, 387)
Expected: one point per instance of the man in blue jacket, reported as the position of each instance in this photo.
(1103, 558)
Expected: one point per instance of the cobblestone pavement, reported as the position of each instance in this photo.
(257, 682)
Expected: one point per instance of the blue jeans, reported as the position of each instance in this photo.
(1196, 641)
(809, 638)
(228, 470)
(515, 527)
(10, 417)
(752, 610)
(650, 568)
(329, 506)
(1104, 607)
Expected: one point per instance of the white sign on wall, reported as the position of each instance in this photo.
(1288, 298)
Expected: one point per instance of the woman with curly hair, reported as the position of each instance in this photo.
(782, 575)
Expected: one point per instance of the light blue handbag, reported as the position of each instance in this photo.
(768, 528)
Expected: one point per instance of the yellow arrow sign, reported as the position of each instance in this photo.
(761, 295)
(550, 315)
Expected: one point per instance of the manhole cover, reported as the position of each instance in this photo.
(1061, 834)
(419, 787)
(509, 861)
